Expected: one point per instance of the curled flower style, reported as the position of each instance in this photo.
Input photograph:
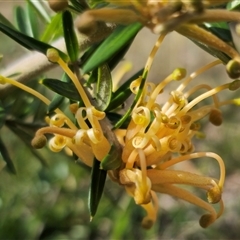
(88, 141)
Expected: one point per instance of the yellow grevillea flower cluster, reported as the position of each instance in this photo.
(157, 137)
(160, 136)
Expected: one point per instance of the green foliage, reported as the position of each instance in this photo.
(111, 161)
(25, 21)
(59, 187)
(112, 46)
(98, 178)
(54, 29)
(70, 36)
(123, 92)
(104, 87)
(7, 158)
(136, 98)
(233, 5)
(28, 42)
(65, 89)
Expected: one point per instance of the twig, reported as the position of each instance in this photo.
(29, 67)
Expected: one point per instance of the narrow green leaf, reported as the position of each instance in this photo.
(33, 20)
(233, 5)
(220, 29)
(104, 87)
(65, 89)
(6, 157)
(38, 5)
(113, 61)
(55, 103)
(53, 29)
(114, 43)
(93, 78)
(118, 56)
(80, 6)
(70, 36)
(115, 117)
(22, 21)
(98, 178)
(94, 3)
(89, 52)
(5, 21)
(57, 99)
(14, 75)
(218, 54)
(123, 92)
(112, 160)
(29, 42)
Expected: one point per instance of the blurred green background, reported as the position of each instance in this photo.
(51, 202)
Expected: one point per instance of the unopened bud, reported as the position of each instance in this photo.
(58, 5)
(86, 24)
(73, 107)
(39, 141)
(234, 85)
(52, 55)
(233, 69)
(179, 74)
(206, 220)
(215, 117)
(147, 223)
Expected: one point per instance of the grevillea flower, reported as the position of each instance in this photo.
(158, 136)
(86, 139)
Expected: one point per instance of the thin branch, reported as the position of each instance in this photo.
(33, 64)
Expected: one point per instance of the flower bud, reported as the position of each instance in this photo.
(234, 85)
(179, 74)
(58, 5)
(233, 69)
(39, 141)
(52, 55)
(206, 220)
(215, 117)
(147, 223)
(73, 107)
(86, 24)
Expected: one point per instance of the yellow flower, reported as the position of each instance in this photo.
(160, 136)
(87, 139)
